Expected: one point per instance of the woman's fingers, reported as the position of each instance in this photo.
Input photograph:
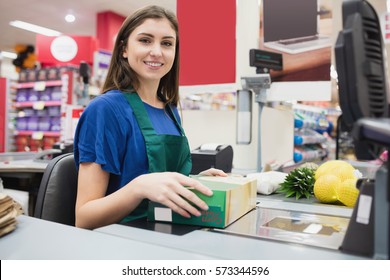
(183, 199)
(177, 209)
(194, 184)
(189, 205)
(184, 202)
(213, 172)
(173, 190)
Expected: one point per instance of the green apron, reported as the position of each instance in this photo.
(165, 152)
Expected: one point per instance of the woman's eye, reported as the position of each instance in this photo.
(144, 40)
(167, 43)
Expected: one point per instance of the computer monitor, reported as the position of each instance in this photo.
(292, 26)
(361, 69)
(289, 19)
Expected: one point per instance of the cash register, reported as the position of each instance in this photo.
(212, 155)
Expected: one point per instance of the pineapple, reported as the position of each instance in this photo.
(299, 183)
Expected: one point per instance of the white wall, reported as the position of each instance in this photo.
(220, 127)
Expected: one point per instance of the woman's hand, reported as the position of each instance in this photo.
(172, 190)
(213, 172)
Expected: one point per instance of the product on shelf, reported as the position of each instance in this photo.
(32, 123)
(46, 94)
(31, 75)
(56, 93)
(53, 74)
(54, 111)
(309, 153)
(44, 124)
(42, 113)
(55, 124)
(33, 96)
(41, 74)
(22, 95)
(49, 141)
(308, 136)
(21, 123)
(35, 145)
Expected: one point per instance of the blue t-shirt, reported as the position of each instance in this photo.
(108, 134)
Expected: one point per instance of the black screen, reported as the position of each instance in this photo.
(361, 68)
(360, 63)
(288, 19)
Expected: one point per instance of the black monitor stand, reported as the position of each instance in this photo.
(368, 232)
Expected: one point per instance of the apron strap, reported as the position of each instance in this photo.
(140, 113)
(143, 117)
(173, 117)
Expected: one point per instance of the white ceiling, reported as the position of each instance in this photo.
(50, 14)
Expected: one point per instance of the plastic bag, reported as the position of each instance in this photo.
(268, 182)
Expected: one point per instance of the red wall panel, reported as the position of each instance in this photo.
(3, 102)
(207, 41)
(108, 25)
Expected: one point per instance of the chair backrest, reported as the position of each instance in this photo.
(57, 192)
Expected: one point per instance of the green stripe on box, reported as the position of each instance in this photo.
(214, 217)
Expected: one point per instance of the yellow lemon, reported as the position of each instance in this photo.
(325, 188)
(332, 166)
(347, 192)
(344, 172)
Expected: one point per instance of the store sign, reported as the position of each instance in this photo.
(65, 49)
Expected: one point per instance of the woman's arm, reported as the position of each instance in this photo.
(94, 209)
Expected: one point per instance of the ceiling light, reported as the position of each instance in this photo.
(70, 18)
(8, 54)
(34, 28)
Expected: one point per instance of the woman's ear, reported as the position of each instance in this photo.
(124, 53)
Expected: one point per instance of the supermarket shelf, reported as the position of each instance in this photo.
(43, 133)
(38, 103)
(38, 84)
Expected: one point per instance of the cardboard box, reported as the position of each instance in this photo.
(232, 198)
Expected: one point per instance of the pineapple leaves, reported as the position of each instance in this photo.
(298, 183)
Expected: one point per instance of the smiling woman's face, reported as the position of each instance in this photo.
(150, 49)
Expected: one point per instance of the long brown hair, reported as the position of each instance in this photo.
(120, 76)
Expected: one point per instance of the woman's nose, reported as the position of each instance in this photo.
(155, 50)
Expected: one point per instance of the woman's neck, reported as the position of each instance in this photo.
(148, 94)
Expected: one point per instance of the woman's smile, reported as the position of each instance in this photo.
(153, 64)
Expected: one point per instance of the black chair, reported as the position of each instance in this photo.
(57, 192)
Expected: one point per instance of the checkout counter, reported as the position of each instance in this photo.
(278, 228)
(242, 240)
(247, 238)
